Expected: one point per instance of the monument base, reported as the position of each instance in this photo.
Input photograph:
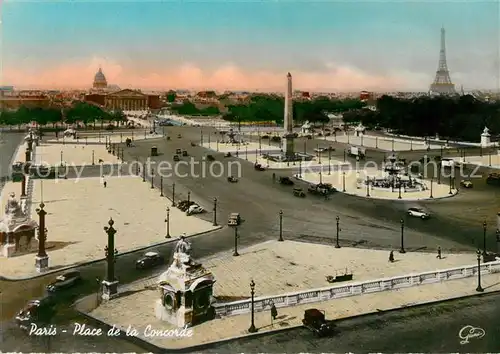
(109, 289)
(181, 317)
(8, 250)
(41, 263)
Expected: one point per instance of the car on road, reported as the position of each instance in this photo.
(286, 181)
(232, 179)
(177, 158)
(299, 192)
(259, 167)
(234, 219)
(315, 320)
(39, 310)
(418, 213)
(179, 136)
(178, 151)
(194, 209)
(466, 183)
(321, 149)
(64, 281)
(149, 260)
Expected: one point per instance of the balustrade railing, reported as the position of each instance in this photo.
(352, 289)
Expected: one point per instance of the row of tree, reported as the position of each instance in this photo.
(461, 117)
(190, 109)
(79, 112)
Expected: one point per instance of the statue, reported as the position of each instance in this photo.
(183, 246)
(12, 207)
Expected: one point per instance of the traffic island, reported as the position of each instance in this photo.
(291, 267)
(371, 183)
(240, 149)
(382, 142)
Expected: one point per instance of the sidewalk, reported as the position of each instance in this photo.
(291, 266)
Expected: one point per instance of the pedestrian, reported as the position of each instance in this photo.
(439, 253)
(391, 257)
(274, 311)
(274, 176)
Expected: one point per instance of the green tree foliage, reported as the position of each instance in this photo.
(189, 108)
(461, 117)
(171, 96)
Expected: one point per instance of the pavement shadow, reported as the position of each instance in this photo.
(492, 285)
(283, 322)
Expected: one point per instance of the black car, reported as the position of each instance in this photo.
(64, 281)
(35, 311)
(150, 260)
(286, 181)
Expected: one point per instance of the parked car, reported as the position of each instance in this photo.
(232, 179)
(39, 310)
(184, 205)
(227, 154)
(320, 150)
(315, 320)
(194, 209)
(184, 153)
(178, 151)
(466, 183)
(177, 158)
(210, 158)
(149, 260)
(299, 192)
(179, 136)
(259, 167)
(418, 213)
(64, 281)
(286, 181)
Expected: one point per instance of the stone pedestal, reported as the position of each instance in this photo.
(185, 293)
(485, 138)
(42, 264)
(109, 289)
(8, 249)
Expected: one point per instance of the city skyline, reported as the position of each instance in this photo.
(248, 45)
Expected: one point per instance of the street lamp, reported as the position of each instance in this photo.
(440, 169)
(215, 212)
(432, 180)
(402, 250)
(300, 168)
(110, 284)
(305, 146)
(42, 259)
(337, 244)
(173, 194)
(152, 178)
(343, 182)
(484, 238)
(450, 192)
(479, 288)
(161, 186)
(399, 189)
(144, 172)
(61, 158)
(281, 226)
(246, 152)
(252, 328)
(367, 187)
(93, 157)
(167, 221)
(189, 197)
(236, 236)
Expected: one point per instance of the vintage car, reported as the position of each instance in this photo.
(194, 209)
(184, 205)
(177, 158)
(179, 136)
(315, 320)
(286, 181)
(259, 167)
(234, 219)
(466, 183)
(299, 192)
(184, 153)
(321, 189)
(178, 151)
(418, 213)
(210, 158)
(64, 281)
(193, 144)
(227, 154)
(40, 310)
(149, 260)
(232, 179)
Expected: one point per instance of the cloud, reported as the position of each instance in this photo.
(80, 74)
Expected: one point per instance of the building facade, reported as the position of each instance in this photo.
(126, 100)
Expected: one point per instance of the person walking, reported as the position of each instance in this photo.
(391, 257)
(439, 253)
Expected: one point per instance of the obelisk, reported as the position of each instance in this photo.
(288, 121)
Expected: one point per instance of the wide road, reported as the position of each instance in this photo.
(405, 331)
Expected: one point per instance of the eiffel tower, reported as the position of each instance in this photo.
(442, 83)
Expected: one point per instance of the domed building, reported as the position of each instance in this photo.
(100, 80)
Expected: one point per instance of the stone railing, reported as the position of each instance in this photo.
(352, 289)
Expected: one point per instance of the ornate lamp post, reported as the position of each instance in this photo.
(450, 192)
(344, 155)
(152, 178)
(440, 167)
(236, 236)
(484, 238)
(144, 172)
(281, 226)
(167, 221)
(110, 284)
(337, 244)
(173, 194)
(252, 328)
(367, 187)
(215, 212)
(93, 157)
(402, 250)
(343, 182)
(189, 197)
(42, 259)
(161, 186)
(399, 189)
(432, 180)
(61, 158)
(479, 288)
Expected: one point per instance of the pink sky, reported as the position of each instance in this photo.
(189, 76)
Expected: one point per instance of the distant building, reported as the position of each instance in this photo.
(100, 81)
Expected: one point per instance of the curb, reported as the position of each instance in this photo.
(154, 348)
(103, 259)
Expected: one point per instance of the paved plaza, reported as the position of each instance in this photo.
(78, 209)
(292, 266)
(355, 184)
(313, 165)
(381, 142)
(72, 155)
(113, 137)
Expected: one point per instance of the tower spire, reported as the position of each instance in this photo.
(442, 82)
